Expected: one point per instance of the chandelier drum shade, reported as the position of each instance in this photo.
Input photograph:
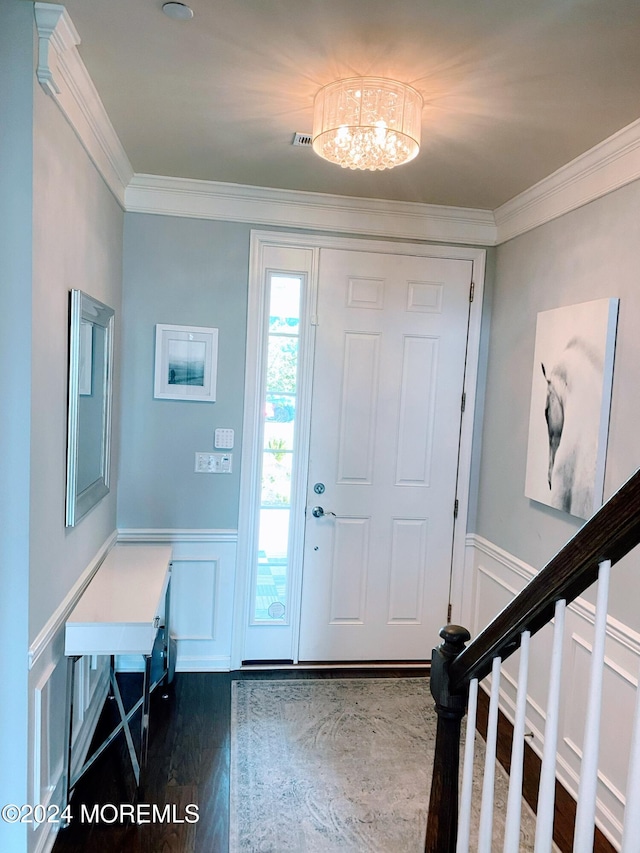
(367, 123)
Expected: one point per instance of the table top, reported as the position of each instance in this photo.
(127, 589)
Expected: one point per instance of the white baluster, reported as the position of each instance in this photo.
(631, 829)
(514, 801)
(547, 790)
(485, 835)
(585, 813)
(466, 793)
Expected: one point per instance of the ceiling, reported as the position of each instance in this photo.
(513, 89)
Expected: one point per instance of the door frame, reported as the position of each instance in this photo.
(261, 244)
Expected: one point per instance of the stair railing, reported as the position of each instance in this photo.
(456, 670)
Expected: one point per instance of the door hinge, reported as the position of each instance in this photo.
(455, 508)
(472, 291)
(464, 401)
(449, 613)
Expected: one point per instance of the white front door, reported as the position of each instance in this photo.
(385, 425)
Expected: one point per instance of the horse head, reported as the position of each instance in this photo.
(554, 415)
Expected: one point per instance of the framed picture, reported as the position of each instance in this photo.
(186, 363)
(570, 402)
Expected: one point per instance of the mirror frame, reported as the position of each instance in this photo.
(84, 308)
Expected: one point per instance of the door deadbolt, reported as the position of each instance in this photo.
(319, 488)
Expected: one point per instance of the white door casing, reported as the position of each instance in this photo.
(387, 391)
(295, 252)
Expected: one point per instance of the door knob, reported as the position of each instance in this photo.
(320, 512)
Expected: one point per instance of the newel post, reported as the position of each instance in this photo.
(442, 823)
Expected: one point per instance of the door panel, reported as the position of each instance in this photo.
(387, 388)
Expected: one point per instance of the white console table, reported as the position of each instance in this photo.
(123, 611)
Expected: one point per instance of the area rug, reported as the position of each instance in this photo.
(337, 765)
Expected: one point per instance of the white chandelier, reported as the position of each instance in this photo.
(367, 123)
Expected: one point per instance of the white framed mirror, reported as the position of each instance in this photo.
(89, 406)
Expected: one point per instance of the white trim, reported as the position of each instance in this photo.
(606, 167)
(45, 833)
(184, 663)
(294, 209)
(459, 561)
(63, 75)
(259, 241)
(41, 726)
(59, 616)
(152, 534)
(263, 256)
(203, 663)
(617, 630)
(513, 563)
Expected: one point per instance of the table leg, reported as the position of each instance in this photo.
(146, 701)
(125, 725)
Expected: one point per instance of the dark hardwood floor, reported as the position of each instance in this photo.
(189, 763)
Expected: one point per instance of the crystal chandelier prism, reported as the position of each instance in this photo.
(367, 123)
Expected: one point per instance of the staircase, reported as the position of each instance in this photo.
(458, 669)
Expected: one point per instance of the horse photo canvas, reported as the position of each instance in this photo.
(570, 400)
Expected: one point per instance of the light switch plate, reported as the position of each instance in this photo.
(213, 463)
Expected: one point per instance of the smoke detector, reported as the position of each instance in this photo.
(178, 11)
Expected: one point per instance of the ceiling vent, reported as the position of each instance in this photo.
(302, 139)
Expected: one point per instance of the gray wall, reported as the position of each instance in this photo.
(60, 227)
(191, 272)
(16, 96)
(77, 243)
(591, 253)
(182, 272)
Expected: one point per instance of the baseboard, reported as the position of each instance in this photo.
(203, 663)
(184, 663)
(565, 804)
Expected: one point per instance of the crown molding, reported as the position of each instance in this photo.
(63, 76)
(606, 167)
(317, 211)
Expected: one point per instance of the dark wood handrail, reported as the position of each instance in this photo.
(608, 535)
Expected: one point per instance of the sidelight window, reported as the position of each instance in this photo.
(280, 384)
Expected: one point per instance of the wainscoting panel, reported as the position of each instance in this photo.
(202, 586)
(47, 690)
(497, 577)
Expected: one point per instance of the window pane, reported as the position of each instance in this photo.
(274, 534)
(284, 304)
(278, 435)
(271, 587)
(276, 479)
(280, 408)
(279, 413)
(282, 363)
